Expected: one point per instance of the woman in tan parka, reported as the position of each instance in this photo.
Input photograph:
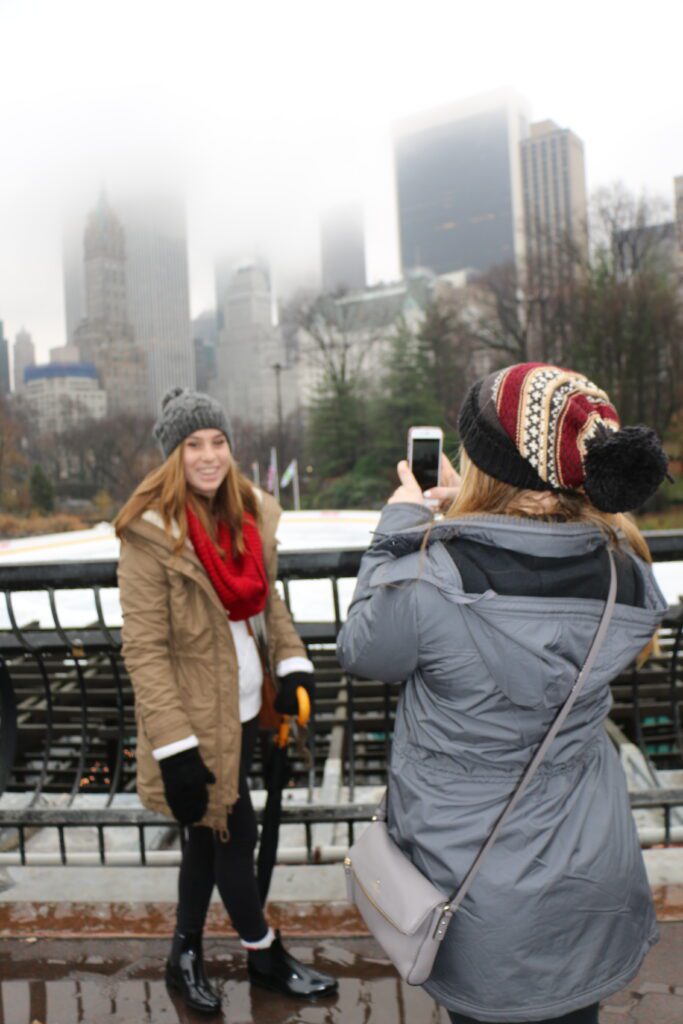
(196, 575)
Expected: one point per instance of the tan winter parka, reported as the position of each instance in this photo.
(180, 656)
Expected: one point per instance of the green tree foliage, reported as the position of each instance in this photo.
(406, 398)
(337, 425)
(42, 491)
(626, 327)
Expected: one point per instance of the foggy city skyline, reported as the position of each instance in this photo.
(264, 120)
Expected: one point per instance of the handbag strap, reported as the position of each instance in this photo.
(459, 895)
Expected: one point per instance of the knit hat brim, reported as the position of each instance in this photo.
(184, 411)
(489, 447)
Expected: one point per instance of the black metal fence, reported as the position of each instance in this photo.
(67, 722)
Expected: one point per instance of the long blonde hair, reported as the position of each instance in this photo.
(480, 493)
(165, 490)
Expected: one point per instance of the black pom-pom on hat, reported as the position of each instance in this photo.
(623, 468)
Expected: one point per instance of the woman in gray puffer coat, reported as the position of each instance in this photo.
(488, 616)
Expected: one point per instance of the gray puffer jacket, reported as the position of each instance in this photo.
(560, 915)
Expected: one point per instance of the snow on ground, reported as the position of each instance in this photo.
(298, 531)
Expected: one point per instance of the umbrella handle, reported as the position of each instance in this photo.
(304, 705)
(302, 717)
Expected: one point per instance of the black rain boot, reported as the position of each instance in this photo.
(185, 973)
(276, 969)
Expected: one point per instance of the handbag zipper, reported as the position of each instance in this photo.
(348, 867)
(444, 917)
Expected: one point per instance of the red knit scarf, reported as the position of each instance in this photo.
(241, 583)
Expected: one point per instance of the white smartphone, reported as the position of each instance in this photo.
(425, 445)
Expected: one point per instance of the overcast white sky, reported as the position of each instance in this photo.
(265, 112)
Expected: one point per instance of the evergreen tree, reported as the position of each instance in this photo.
(336, 426)
(406, 398)
(42, 491)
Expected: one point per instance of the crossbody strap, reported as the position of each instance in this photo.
(457, 897)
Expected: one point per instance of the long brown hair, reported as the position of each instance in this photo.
(165, 490)
(480, 493)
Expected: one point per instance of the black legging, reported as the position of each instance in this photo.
(586, 1015)
(230, 865)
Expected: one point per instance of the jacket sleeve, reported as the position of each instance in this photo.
(379, 639)
(144, 596)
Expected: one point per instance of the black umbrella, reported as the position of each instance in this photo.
(277, 771)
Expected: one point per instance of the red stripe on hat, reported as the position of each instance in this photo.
(509, 406)
(572, 420)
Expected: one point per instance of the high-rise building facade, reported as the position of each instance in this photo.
(555, 212)
(4, 362)
(205, 341)
(74, 275)
(250, 355)
(105, 338)
(156, 288)
(104, 254)
(159, 294)
(342, 249)
(458, 182)
(24, 355)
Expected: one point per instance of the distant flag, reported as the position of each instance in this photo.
(288, 474)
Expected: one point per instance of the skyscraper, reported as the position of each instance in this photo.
(74, 274)
(24, 355)
(157, 289)
(158, 293)
(205, 340)
(458, 182)
(104, 254)
(250, 350)
(342, 249)
(4, 362)
(555, 214)
(104, 337)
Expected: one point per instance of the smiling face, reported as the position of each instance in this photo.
(207, 461)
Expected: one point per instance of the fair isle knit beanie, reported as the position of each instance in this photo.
(182, 412)
(543, 428)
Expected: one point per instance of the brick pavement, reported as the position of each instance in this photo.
(120, 981)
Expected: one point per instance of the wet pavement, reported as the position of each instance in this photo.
(120, 981)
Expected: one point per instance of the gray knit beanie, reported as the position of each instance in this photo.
(182, 412)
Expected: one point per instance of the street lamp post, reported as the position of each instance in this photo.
(278, 368)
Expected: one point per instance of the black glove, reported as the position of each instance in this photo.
(286, 702)
(185, 780)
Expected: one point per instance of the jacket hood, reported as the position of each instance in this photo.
(533, 647)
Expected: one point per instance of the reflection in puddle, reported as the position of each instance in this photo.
(121, 982)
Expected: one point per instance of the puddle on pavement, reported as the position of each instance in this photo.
(119, 981)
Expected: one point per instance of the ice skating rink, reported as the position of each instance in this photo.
(298, 531)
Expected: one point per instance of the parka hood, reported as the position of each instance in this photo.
(533, 647)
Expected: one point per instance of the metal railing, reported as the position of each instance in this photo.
(67, 727)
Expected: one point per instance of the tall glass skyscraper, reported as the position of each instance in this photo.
(458, 185)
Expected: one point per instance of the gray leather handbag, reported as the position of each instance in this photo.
(404, 911)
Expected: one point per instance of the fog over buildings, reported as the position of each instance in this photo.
(264, 118)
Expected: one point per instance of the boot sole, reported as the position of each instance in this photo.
(175, 986)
